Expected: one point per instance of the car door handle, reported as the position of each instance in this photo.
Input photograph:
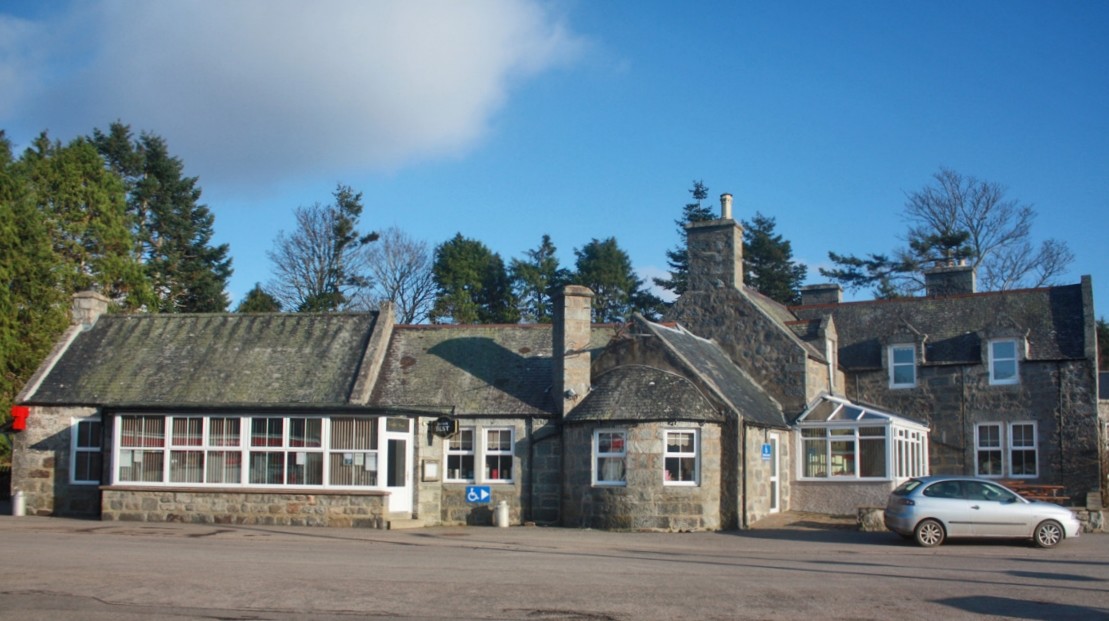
(975, 507)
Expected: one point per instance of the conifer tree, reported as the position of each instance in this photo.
(173, 230)
(677, 257)
(536, 279)
(472, 283)
(606, 269)
(768, 263)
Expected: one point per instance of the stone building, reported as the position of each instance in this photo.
(733, 408)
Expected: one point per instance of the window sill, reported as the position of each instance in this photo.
(299, 491)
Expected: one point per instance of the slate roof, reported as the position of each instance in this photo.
(713, 366)
(641, 393)
(955, 326)
(210, 360)
(475, 369)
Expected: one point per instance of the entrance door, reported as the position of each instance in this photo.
(398, 447)
(775, 474)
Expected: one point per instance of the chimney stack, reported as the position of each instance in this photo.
(87, 307)
(572, 320)
(950, 280)
(725, 206)
(829, 293)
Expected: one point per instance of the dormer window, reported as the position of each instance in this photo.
(902, 365)
(1004, 357)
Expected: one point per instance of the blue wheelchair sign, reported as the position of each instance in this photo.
(478, 494)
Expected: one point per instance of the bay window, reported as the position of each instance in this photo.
(247, 451)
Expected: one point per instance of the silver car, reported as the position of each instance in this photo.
(931, 509)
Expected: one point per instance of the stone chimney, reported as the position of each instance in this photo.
(950, 280)
(714, 249)
(572, 324)
(827, 293)
(87, 307)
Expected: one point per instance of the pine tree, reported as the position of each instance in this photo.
(173, 231)
(768, 264)
(257, 300)
(677, 258)
(606, 269)
(536, 279)
(473, 286)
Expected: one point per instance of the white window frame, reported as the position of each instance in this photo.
(994, 360)
(80, 450)
(456, 448)
(500, 454)
(598, 455)
(894, 364)
(694, 454)
(1023, 448)
(156, 452)
(995, 448)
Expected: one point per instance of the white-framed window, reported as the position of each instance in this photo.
(1004, 362)
(844, 452)
(610, 452)
(286, 451)
(1006, 450)
(987, 450)
(461, 455)
(266, 451)
(902, 366)
(85, 452)
(1022, 450)
(498, 454)
(682, 461)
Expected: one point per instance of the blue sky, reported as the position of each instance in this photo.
(505, 121)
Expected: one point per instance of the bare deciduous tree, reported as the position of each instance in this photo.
(323, 266)
(401, 269)
(960, 218)
(998, 228)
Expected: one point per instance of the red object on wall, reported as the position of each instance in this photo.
(19, 417)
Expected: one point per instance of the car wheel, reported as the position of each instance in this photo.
(1048, 534)
(929, 533)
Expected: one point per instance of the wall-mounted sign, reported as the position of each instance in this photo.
(766, 452)
(478, 494)
(444, 426)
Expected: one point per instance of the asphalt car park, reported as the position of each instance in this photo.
(789, 569)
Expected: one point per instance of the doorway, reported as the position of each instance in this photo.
(398, 445)
(774, 440)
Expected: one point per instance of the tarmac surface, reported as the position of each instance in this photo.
(792, 566)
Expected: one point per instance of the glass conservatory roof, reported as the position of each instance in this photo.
(830, 409)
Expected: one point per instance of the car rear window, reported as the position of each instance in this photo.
(907, 486)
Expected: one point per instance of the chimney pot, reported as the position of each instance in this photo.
(726, 206)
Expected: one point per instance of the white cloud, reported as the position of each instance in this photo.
(255, 91)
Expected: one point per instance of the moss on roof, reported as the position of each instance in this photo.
(211, 360)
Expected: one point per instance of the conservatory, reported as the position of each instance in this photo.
(850, 455)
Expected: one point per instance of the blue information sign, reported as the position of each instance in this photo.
(478, 494)
(766, 452)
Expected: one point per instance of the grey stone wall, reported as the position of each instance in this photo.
(234, 506)
(532, 496)
(952, 399)
(759, 346)
(839, 497)
(645, 503)
(40, 465)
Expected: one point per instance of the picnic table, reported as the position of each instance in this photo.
(1038, 491)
